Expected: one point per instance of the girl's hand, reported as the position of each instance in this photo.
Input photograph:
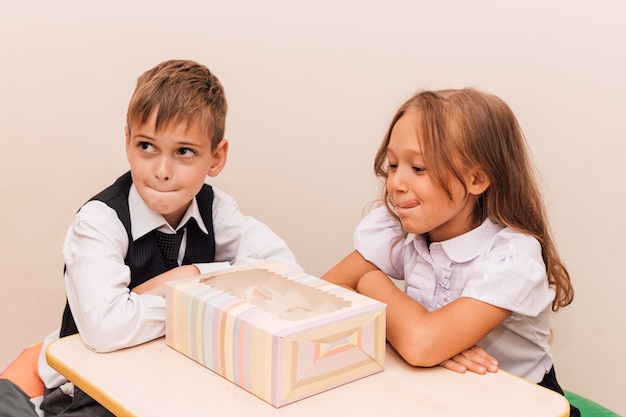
(474, 359)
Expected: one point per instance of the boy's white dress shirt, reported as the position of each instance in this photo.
(108, 315)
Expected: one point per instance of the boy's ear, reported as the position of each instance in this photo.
(478, 182)
(220, 154)
(127, 133)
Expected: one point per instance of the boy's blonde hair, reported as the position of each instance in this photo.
(464, 128)
(180, 91)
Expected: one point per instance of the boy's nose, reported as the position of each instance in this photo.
(163, 169)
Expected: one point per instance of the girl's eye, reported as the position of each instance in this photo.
(186, 152)
(392, 167)
(419, 169)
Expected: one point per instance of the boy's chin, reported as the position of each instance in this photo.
(167, 209)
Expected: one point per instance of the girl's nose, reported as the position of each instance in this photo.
(396, 182)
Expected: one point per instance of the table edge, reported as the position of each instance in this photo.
(77, 379)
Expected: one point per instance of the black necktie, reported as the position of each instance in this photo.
(169, 244)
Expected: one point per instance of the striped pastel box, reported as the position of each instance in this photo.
(279, 333)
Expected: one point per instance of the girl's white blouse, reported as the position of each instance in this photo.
(491, 263)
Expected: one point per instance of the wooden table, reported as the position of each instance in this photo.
(154, 380)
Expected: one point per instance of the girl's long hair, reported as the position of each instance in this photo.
(465, 128)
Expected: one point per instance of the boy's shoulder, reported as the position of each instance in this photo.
(223, 202)
(119, 191)
(222, 195)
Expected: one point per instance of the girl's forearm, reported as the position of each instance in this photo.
(349, 271)
(426, 338)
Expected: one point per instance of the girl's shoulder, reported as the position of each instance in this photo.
(380, 215)
(509, 240)
(490, 239)
(378, 223)
(378, 239)
(511, 274)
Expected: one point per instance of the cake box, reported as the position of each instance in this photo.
(276, 331)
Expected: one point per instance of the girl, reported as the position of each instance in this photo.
(464, 226)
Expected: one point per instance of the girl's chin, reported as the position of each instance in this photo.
(411, 228)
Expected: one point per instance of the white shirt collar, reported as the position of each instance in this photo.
(462, 248)
(143, 220)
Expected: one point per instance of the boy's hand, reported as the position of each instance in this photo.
(156, 285)
(474, 359)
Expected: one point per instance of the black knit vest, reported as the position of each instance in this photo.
(143, 257)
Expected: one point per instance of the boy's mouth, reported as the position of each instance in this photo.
(161, 190)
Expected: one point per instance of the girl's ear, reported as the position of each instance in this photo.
(478, 181)
(220, 155)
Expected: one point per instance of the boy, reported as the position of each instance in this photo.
(117, 250)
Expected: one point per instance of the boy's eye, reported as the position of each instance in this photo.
(145, 146)
(186, 152)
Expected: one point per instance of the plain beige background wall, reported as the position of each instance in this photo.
(311, 87)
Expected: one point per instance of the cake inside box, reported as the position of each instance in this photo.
(276, 294)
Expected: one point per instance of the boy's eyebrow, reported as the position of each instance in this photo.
(141, 135)
(180, 143)
(197, 145)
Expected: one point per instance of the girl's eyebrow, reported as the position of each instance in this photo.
(411, 152)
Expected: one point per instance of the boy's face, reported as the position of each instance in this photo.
(169, 167)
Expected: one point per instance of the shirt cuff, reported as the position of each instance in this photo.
(207, 268)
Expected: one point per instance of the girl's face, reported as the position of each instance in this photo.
(422, 205)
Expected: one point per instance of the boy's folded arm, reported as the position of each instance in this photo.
(156, 285)
(107, 314)
(127, 321)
